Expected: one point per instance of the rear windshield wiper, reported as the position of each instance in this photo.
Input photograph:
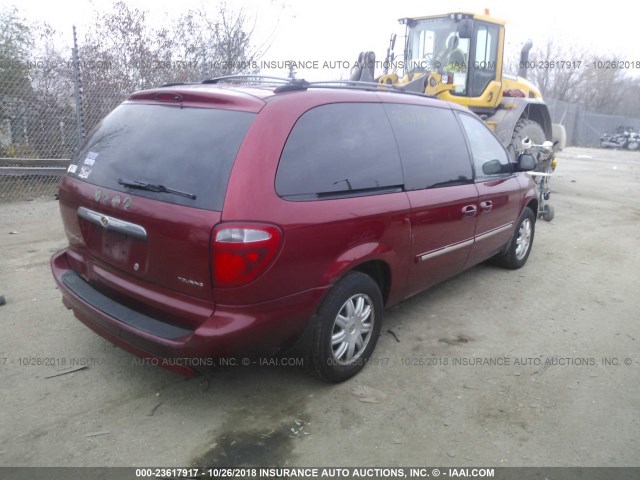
(152, 187)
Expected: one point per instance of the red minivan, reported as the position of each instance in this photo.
(230, 219)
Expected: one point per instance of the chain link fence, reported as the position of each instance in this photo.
(584, 128)
(29, 178)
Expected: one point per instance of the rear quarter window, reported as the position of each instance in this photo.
(187, 149)
(339, 150)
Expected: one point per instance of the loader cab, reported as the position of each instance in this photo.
(461, 55)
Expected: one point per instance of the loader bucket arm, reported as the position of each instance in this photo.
(364, 68)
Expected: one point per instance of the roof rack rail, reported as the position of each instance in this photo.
(345, 84)
(299, 84)
(359, 84)
(250, 78)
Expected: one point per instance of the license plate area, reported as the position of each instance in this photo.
(116, 242)
(116, 247)
(122, 250)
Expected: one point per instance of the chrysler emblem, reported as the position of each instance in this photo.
(104, 221)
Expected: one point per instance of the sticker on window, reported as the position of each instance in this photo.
(84, 172)
(91, 158)
(72, 168)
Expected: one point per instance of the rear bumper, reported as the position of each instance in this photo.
(231, 331)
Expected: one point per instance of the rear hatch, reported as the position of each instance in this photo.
(142, 196)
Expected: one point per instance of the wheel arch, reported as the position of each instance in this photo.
(380, 272)
(378, 260)
(539, 113)
(514, 109)
(533, 205)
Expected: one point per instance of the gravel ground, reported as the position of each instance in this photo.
(535, 367)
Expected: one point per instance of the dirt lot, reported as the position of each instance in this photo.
(419, 402)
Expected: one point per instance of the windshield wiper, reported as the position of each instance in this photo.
(152, 187)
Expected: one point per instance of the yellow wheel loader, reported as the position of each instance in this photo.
(458, 57)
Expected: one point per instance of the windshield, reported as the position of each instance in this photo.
(168, 153)
(434, 44)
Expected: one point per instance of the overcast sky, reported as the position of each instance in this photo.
(337, 30)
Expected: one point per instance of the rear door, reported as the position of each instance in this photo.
(498, 188)
(439, 184)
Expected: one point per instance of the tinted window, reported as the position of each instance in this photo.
(489, 157)
(342, 149)
(485, 63)
(433, 149)
(186, 149)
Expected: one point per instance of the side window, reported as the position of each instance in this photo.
(432, 146)
(489, 156)
(338, 150)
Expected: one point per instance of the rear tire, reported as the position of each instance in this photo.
(548, 212)
(346, 328)
(525, 129)
(519, 247)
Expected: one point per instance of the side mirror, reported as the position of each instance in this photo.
(465, 28)
(526, 162)
(492, 167)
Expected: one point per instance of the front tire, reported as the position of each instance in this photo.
(519, 247)
(346, 329)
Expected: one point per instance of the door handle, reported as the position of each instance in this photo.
(486, 206)
(469, 210)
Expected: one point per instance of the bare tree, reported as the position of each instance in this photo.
(217, 46)
(122, 53)
(51, 115)
(573, 74)
(16, 41)
(629, 91)
(558, 70)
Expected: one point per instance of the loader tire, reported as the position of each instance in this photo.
(525, 129)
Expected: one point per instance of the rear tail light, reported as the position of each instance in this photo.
(241, 253)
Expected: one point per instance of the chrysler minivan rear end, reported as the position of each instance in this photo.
(139, 206)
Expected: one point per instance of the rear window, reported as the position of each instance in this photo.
(189, 150)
